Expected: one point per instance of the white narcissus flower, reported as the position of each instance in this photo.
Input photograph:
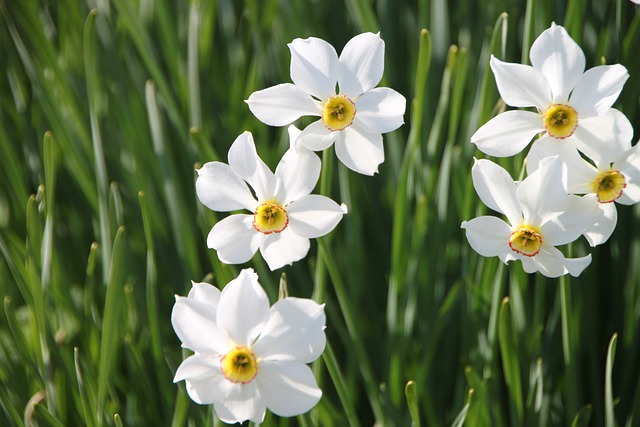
(284, 213)
(602, 183)
(249, 357)
(572, 104)
(354, 117)
(540, 213)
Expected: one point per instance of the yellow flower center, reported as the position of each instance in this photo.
(270, 218)
(239, 365)
(609, 185)
(560, 120)
(526, 241)
(338, 113)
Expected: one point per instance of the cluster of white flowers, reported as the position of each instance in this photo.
(247, 357)
(581, 146)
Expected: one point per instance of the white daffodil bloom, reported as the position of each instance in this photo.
(354, 117)
(602, 183)
(572, 104)
(540, 214)
(284, 213)
(249, 357)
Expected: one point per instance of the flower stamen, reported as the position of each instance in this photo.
(525, 241)
(609, 186)
(239, 365)
(270, 218)
(338, 113)
(560, 120)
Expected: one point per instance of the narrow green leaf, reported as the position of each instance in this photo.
(583, 417)
(510, 358)
(86, 399)
(112, 322)
(610, 420)
(411, 393)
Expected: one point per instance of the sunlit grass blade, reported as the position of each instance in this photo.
(610, 420)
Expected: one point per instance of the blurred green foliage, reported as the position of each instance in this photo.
(108, 106)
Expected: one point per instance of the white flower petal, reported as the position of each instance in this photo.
(544, 192)
(205, 292)
(521, 85)
(508, 133)
(235, 239)
(295, 331)
(314, 67)
(288, 388)
(597, 89)
(380, 110)
(361, 64)
(605, 138)
(195, 325)
(282, 104)
(488, 235)
(629, 166)
(314, 215)
(195, 366)
(550, 262)
(244, 160)
(580, 213)
(600, 231)
(285, 248)
(243, 309)
(209, 388)
(298, 173)
(317, 137)
(359, 150)
(580, 174)
(559, 59)
(496, 189)
(220, 189)
(246, 404)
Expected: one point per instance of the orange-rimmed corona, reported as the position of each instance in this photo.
(526, 240)
(560, 120)
(338, 113)
(270, 218)
(609, 185)
(239, 365)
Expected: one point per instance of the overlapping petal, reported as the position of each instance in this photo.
(604, 139)
(244, 308)
(280, 249)
(600, 231)
(282, 104)
(580, 173)
(544, 192)
(235, 239)
(205, 292)
(220, 189)
(488, 235)
(597, 89)
(295, 331)
(381, 110)
(244, 160)
(580, 213)
(196, 327)
(289, 388)
(298, 173)
(361, 64)
(521, 85)
(208, 388)
(313, 216)
(246, 404)
(496, 189)
(314, 67)
(360, 150)
(317, 137)
(559, 59)
(508, 133)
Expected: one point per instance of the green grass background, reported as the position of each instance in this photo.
(108, 106)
